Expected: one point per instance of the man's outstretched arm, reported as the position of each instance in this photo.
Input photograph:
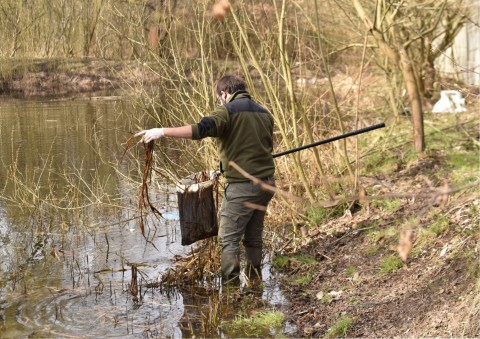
(183, 132)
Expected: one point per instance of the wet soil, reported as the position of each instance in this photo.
(434, 293)
(66, 77)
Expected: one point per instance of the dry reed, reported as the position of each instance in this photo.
(201, 265)
(144, 199)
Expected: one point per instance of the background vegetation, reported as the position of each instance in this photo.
(322, 68)
(402, 38)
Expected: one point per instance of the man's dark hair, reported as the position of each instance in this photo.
(230, 83)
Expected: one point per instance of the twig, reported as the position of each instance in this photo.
(263, 184)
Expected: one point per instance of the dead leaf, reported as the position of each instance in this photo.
(336, 294)
(442, 199)
(405, 244)
(304, 231)
(308, 331)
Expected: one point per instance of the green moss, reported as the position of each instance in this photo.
(318, 215)
(388, 234)
(302, 280)
(472, 212)
(424, 238)
(410, 155)
(373, 250)
(440, 225)
(387, 205)
(260, 325)
(299, 259)
(327, 298)
(281, 261)
(340, 328)
(350, 271)
(305, 259)
(464, 167)
(371, 225)
(472, 260)
(353, 301)
(469, 161)
(380, 163)
(390, 264)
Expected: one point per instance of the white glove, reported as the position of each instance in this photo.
(151, 134)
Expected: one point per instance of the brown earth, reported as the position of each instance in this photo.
(434, 293)
(71, 77)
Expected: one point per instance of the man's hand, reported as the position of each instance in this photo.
(151, 134)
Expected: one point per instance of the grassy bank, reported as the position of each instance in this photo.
(406, 262)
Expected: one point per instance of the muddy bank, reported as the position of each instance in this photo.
(65, 77)
(348, 279)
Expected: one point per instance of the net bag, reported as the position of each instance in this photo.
(197, 204)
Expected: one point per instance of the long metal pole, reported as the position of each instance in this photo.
(326, 141)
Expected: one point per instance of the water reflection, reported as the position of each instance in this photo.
(69, 235)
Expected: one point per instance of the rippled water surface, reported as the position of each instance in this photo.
(69, 232)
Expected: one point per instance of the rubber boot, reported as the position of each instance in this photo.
(254, 260)
(230, 265)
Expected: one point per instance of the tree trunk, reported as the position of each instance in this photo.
(415, 100)
(397, 53)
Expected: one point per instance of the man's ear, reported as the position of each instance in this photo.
(225, 95)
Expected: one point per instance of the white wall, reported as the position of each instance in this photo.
(462, 60)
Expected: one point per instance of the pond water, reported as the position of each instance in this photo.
(69, 230)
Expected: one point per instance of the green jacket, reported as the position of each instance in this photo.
(245, 133)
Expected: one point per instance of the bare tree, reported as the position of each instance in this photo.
(411, 35)
(92, 11)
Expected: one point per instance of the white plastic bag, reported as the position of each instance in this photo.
(451, 101)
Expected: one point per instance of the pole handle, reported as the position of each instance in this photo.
(325, 141)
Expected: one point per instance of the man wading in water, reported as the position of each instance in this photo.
(245, 133)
